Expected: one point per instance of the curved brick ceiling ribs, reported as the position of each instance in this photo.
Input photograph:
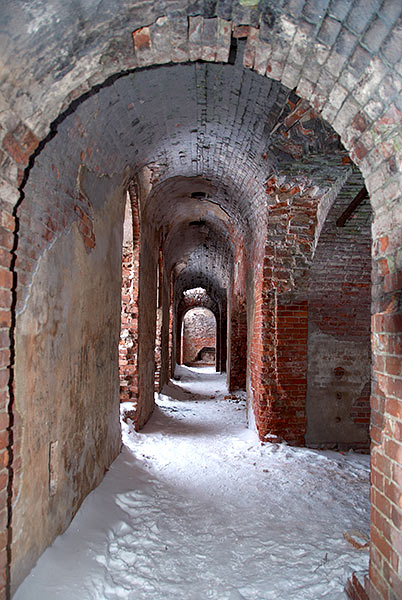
(212, 136)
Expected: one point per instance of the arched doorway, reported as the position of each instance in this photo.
(198, 338)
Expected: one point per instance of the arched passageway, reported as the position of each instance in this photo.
(198, 337)
(236, 172)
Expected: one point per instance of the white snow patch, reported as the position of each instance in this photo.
(196, 508)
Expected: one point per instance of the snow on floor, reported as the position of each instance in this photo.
(195, 508)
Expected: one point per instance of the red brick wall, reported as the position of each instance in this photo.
(158, 337)
(238, 344)
(171, 320)
(339, 329)
(199, 332)
(291, 369)
(386, 415)
(238, 322)
(356, 588)
(128, 346)
(279, 342)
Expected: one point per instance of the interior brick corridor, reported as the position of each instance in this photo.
(238, 158)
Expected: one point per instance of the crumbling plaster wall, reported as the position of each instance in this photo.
(66, 377)
(147, 300)
(339, 352)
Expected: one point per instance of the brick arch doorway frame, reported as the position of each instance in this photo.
(186, 312)
(220, 321)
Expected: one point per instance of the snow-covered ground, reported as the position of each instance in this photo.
(195, 508)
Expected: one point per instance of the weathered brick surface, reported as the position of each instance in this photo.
(238, 345)
(279, 343)
(199, 337)
(159, 324)
(344, 59)
(355, 587)
(237, 333)
(339, 354)
(128, 347)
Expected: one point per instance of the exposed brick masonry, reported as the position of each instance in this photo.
(199, 337)
(128, 347)
(344, 59)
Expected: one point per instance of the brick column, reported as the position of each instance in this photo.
(238, 344)
(386, 408)
(128, 347)
(291, 370)
(224, 340)
(279, 345)
(17, 146)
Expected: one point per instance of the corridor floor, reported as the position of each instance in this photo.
(196, 508)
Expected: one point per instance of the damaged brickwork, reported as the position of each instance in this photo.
(240, 181)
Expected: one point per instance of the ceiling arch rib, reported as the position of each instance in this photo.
(188, 237)
(196, 297)
(191, 278)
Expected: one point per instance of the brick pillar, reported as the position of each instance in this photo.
(223, 340)
(386, 408)
(279, 343)
(158, 336)
(291, 370)
(128, 346)
(171, 321)
(262, 362)
(218, 343)
(279, 368)
(17, 146)
(238, 344)
(179, 340)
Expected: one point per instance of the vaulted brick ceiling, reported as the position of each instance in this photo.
(200, 252)
(211, 134)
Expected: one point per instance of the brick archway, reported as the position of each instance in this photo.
(198, 336)
(331, 62)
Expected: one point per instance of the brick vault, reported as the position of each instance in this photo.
(239, 158)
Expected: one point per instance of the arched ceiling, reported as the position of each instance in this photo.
(196, 297)
(197, 120)
(220, 122)
(210, 135)
(192, 278)
(202, 246)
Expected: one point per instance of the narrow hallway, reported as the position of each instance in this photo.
(196, 508)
